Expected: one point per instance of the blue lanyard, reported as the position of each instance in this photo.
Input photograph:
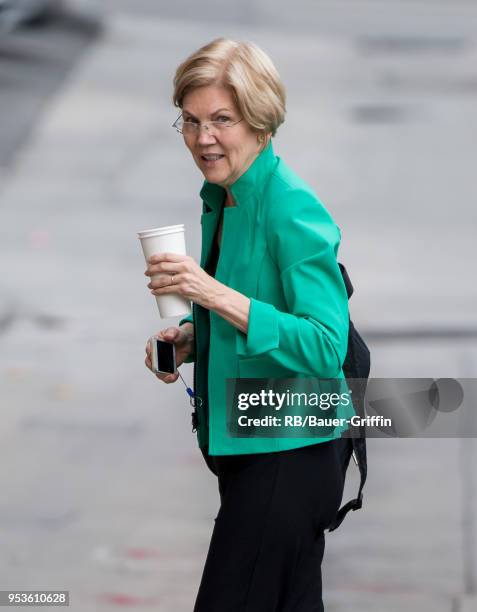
(192, 398)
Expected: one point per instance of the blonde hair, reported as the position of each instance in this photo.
(243, 68)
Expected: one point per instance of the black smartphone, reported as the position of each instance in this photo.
(163, 356)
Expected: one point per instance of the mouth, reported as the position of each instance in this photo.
(211, 159)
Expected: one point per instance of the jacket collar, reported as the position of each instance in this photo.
(251, 184)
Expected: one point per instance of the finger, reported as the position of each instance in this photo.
(165, 257)
(165, 267)
(161, 335)
(164, 280)
(168, 289)
(170, 334)
(164, 378)
(170, 378)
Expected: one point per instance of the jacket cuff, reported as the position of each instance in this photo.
(187, 319)
(262, 335)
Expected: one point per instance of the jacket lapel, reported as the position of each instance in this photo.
(213, 197)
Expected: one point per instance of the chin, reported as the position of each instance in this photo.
(214, 177)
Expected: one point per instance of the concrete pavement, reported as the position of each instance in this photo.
(104, 491)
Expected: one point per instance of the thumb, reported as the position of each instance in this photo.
(170, 333)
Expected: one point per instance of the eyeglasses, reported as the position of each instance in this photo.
(192, 128)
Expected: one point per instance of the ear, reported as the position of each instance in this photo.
(263, 140)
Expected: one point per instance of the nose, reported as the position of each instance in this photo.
(204, 137)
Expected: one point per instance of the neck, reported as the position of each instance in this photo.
(229, 201)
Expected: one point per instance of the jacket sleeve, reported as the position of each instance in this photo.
(312, 336)
(188, 319)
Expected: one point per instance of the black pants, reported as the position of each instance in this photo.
(268, 540)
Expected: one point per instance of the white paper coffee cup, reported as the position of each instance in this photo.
(169, 239)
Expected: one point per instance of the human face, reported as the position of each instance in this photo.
(237, 144)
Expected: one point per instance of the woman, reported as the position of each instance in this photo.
(268, 302)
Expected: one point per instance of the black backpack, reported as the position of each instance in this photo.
(356, 371)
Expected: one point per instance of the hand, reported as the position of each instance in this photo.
(183, 339)
(182, 275)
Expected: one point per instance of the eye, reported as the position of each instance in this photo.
(190, 119)
(223, 118)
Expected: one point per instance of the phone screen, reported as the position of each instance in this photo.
(165, 356)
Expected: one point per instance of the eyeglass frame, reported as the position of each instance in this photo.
(200, 124)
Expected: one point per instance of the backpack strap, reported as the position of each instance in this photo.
(358, 387)
(359, 448)
(360, 366)
(347, 280)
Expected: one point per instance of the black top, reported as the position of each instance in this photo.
(211, 266)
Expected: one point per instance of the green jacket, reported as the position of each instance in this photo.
(279, 247)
